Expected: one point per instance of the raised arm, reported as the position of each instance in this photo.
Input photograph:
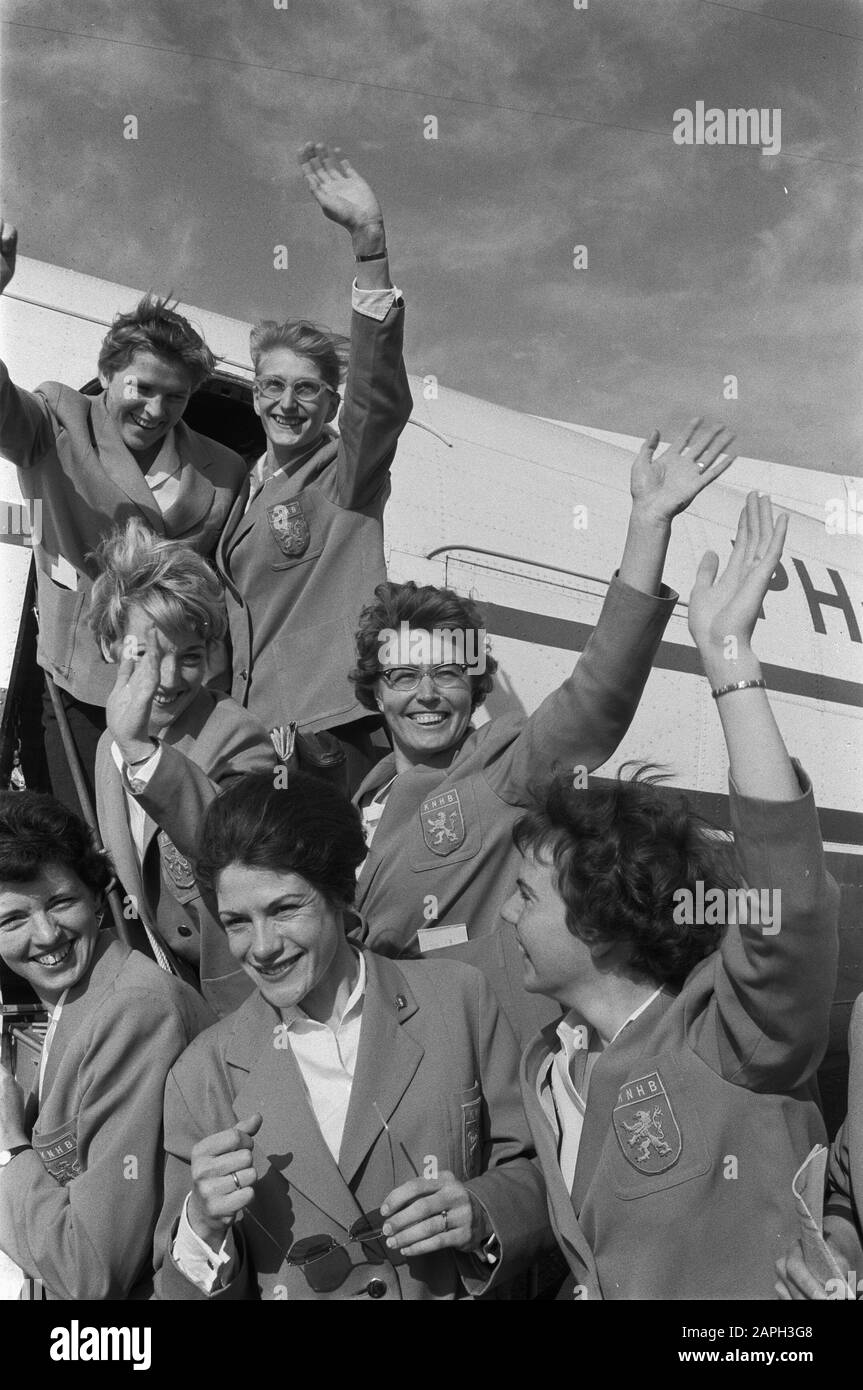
(25, 427)
(722, 617)
(663, 486)
(767, 1028)
(581, 724)
(347, 199)
(377, 396)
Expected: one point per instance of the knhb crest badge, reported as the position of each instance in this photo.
(177, 865)
(59, 1153)
(644, 1123)
(443, 823)
(289, 527)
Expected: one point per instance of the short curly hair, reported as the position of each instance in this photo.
(326, 349)
(619, 853)
(308, 828)
(423, 608)
(154, 326)
(36, 830)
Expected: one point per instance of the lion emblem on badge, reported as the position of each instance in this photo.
(181, 872)
(442, 828)
(646, 1132)
(646, 1125)
(290, 528)
(442, 822)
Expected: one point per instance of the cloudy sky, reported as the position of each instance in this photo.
(554, 129)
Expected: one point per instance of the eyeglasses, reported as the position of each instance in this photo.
(409, 677)
(326, 1263)
(307, 390)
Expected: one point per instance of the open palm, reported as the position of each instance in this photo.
(666, 485)
(343, 194)
(729, 606)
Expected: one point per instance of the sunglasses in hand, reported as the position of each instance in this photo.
(326, 1262)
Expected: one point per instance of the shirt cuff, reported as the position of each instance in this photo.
(194, 1258)
(137, 777)
(489, 1252)
(375, 304)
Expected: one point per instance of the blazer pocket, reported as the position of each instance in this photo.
(657, 1138)
(446, 828)
(59, 615)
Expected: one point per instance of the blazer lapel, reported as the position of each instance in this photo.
(610, 1070)
(83, 999)
(121, 467)
(289, 1137)
(559, 1199)
(240, 522)
(235, 516)
(195, 497)
(386, 1062)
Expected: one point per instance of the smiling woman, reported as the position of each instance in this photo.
(362, 1114)
(303, 546)
(70, 1217)
(157, 612)
(439, 810)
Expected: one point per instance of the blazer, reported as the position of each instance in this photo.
(844, 1195)
(73, 462)
(78, 1212)
(421, 875)
(722, 1074)
(212, 743)
(299, 565)
(440, 1064)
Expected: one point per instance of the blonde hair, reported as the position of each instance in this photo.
(173, 584)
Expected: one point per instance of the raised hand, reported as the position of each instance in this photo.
(130, 703)
(728, 607)
(8, 252)
(342, 194)
(662, 487)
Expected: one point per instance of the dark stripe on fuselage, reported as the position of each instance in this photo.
(548, 631)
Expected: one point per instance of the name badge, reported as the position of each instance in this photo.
(433, 938)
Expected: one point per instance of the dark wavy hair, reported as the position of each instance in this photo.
(423, 608)
(620, 853)
(308, 828)
(36, 830)
(155, 326)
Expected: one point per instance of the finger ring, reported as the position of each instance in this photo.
(445, 1215)
(237, 1182)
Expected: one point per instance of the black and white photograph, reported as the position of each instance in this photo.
(431, 694)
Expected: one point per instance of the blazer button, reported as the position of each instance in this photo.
(244, 675)
(184, 931)
(376, 1288)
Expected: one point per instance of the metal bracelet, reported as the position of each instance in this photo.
(739, 685)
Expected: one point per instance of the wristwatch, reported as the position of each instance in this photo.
(7, 1155)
